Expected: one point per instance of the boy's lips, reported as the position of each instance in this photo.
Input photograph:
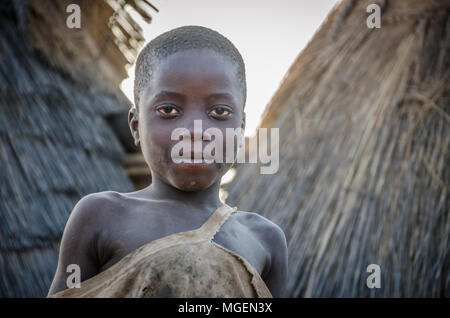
(194, 164)
(195, 161)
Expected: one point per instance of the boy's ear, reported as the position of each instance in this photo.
(133, 122)
(243, 121)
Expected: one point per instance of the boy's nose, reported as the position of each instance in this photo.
(197, 132)
(200, 135)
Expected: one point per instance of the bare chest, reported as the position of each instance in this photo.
(128, 235)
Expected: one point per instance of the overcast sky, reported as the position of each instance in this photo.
(269, 35)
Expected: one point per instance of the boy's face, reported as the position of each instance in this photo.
(187, 86)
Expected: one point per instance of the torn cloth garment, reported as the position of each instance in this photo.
(187, 264)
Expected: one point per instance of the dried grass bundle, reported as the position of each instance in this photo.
(364, 163)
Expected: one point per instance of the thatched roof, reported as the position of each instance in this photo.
(97, 52)
(55, 142)
(364, 119)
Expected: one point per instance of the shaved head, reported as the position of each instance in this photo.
(181, 39)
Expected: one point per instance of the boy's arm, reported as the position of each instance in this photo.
(276, 278)
(78, 243)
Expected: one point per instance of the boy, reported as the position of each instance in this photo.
(164, 240)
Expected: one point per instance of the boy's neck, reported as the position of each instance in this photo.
(203, 199)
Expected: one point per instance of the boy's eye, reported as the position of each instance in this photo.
(220, 111)
(167, 110)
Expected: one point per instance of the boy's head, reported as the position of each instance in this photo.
(186, 74)
(182, 39)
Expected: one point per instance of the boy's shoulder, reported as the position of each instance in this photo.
(259, 221)
(265, 229)
(94, 206)
(97, 201)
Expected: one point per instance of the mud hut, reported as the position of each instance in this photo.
(364, 123)
(59, 96)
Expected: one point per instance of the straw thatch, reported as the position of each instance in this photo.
(58, 87)
(364, 119)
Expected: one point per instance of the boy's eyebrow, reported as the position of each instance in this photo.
(226, 95)
(168, 94)
(165, 93)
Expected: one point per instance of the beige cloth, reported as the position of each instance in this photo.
(187, 264)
